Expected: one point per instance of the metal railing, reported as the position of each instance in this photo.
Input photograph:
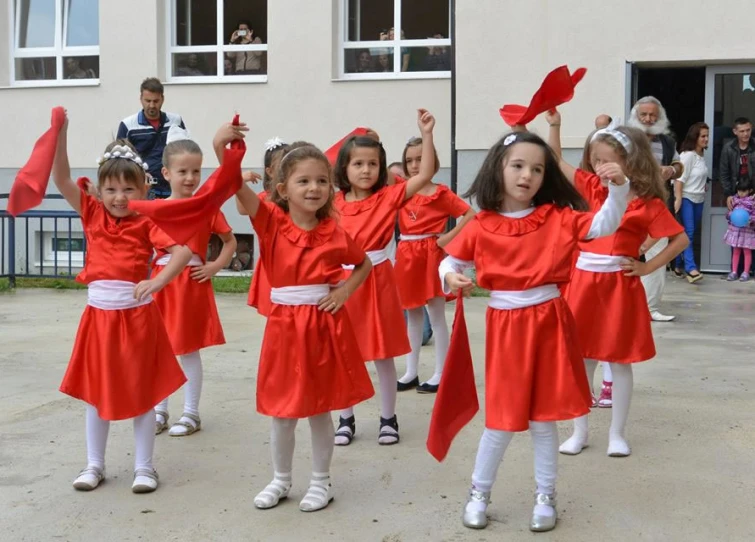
(9, 243)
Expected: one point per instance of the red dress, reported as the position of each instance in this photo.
(259, 289)
(375, 308)
(310, 361)
(122, 362)
(188, 307)
(533, 364)
(417, 260)
(611, 309)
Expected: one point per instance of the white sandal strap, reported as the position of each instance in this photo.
(318, 495)
(274, 491)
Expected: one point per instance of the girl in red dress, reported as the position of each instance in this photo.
(259, 289)
(422, 223)
(521, 244)
(367, 209)
(122, 362)
(188, 303)
(605, 294)
(310, 363)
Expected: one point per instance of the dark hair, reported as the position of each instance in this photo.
(487, 188)
(294, 155)
(416, 142)
(179, 147)
(744, 185)
(740, 121)
(693, 134)
(152, 84)
(344, 158)
(246, 22)
(121, 168)
(270, 155)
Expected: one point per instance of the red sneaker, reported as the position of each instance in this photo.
(606, 395)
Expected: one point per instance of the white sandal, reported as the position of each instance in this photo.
(184, 429)
(274, 492)
(318, 496)
(145, 480)
(89, 478)
(160, 427)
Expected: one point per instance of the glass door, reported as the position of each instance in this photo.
(729, 94)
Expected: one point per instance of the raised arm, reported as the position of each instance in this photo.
(248, 200)
(426, 123)
(554, 141)
(61, 171)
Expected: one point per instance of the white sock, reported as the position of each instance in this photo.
(493, 445)
(347, 413)
(578, 440)
(623, 382)
(192, 366)
(282, 442)
(414, 326)
(97, 431)
(144, 437)
(386, 370)
(436, 308)
(322, 432)
(607, 374)
(545, 443)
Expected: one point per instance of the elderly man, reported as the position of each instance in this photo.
(602, 121)
(649, 116)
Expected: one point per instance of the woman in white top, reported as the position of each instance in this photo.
(689, 193)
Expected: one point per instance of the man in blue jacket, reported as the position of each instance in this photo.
(147, 131)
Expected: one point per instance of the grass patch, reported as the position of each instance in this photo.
(226, 285)
(480, 292)
(231, 285)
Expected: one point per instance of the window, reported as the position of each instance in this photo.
(217, 40)
(55, 42)
(60, 249)
(373, 48)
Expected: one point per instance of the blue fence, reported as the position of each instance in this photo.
(59, 226)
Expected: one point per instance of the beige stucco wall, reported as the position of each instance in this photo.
(503, 56)
(300, 100)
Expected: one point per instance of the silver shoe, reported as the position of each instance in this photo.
(541, 524)
(476, 520)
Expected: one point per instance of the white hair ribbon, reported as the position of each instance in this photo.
(274, 143)
(618, 136)
(176, 133)
(122, 151)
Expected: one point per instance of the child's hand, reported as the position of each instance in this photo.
(612, 172)
(335, 300)
(458, 281)
(203, 273)
(64, 126)
(425, 121)
(91, 189)
(444, 239)
(251, 177)
(553, 117)
(147, 287)
(634, 268)
(229, 132)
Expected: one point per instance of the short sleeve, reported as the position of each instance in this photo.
(462, 247)
(159, 239)
(264, 221)
(580, 222)
(589, 187)
(663, 224)
(353, 255)
(687, 159)
(454, 205)
(220, 224)
(89, 204)
(395, 195)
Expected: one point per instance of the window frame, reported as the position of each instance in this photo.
(220, 49)
(345, 45)
(59, 50)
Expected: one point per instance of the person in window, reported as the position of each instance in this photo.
(246, 62)
(228, 68)
(75, 71)
(191, 67)
(364, 61)
(390, 35)
(384, 64)
(737, 159)
(438, 58)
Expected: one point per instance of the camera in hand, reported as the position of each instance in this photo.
(242, 33)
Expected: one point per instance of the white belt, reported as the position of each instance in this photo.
(376, 256)
(599, 263)
(310, 294)
(508, 300)
(113, 295)
(417, 237)
(194, 262)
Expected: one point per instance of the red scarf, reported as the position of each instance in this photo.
(332, 152)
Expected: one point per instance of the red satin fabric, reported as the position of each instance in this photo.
(310, 361)
(611, 309)
(417, 261)
(375, 308)
(122, 362)
(259, 289)
(332, 153)
(456, 403)
(32, 179)
(557, 88)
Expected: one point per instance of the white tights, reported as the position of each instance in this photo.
(623, 382)
(436, 308)
(192, 366)
(493, 445)
(386, 370)
(283, 439)
(97, 431)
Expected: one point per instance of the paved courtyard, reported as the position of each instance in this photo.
(692, 429)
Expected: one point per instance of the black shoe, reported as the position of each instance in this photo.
(427, 388)
(346, 429)
(400, 386)
(389, 437)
